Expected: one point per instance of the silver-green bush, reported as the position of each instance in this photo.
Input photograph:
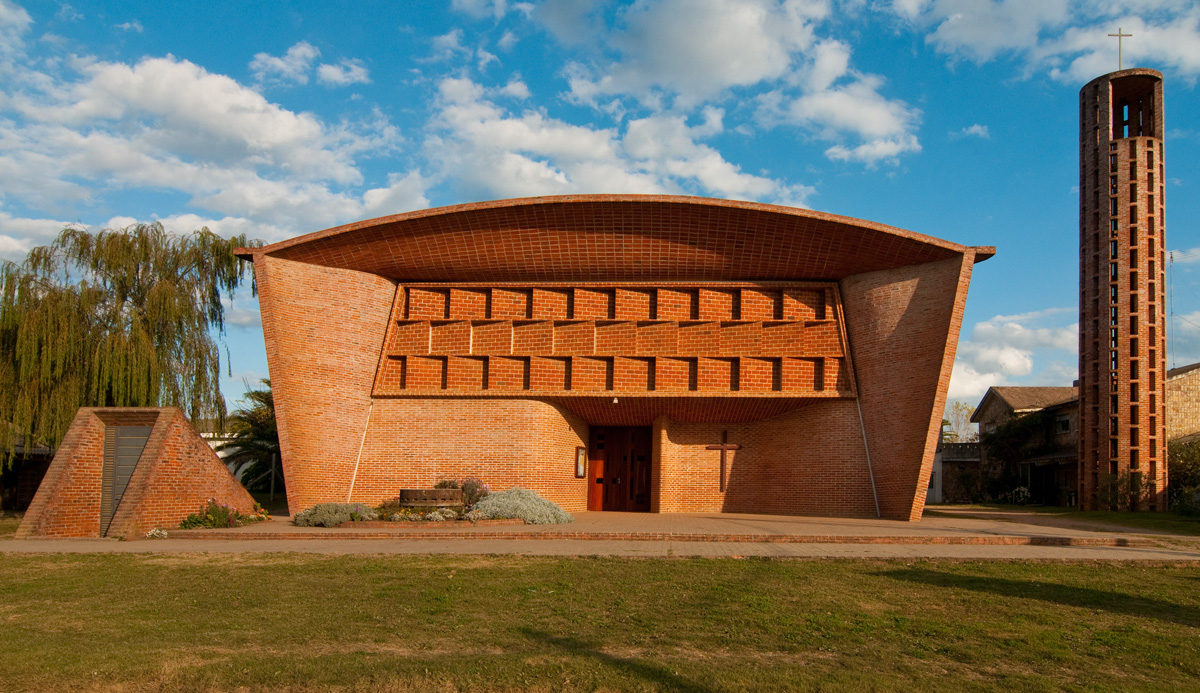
(521, 504)
(333, 514)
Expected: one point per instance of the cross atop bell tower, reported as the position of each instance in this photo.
(1118, 36)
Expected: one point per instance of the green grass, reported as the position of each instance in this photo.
(1166, 522)
(199, 622)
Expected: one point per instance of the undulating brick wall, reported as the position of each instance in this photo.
(324, 329)
(175, 476)
(903, 327)
(485, 340)
(414, 443)
(809, 461)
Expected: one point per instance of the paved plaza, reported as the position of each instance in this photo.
(998, 535)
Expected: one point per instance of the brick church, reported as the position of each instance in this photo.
(616, 352)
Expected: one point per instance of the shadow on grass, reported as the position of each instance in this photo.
(638, 669)
(1066, 595)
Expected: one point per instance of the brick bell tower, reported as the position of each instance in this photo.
(1122, 327)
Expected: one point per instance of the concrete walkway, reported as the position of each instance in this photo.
(672, 535)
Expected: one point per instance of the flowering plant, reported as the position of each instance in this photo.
(216, 514)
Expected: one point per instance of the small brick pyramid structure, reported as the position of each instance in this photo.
(121, 472)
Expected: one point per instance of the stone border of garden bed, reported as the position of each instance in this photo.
(447, 524)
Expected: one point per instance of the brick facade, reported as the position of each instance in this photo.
(1122, 258)
(1183, 401)
(175, 475)
(487, 339)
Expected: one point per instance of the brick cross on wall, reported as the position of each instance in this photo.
(724, 446)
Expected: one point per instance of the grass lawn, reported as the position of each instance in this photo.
(1168, 522)
(302, 622)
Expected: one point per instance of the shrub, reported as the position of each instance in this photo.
(521, 504)
(216, 515)
(446, 483)
(473, 489)
(1187, 500)
(333, 514)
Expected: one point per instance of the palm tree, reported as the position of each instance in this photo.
(253, 443)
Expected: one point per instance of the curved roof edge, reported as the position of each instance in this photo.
(981, 253)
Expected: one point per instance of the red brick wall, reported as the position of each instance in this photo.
(810, 461)
(903, 327)
(324, 330)
(176, 474)
(413, 443)
(67, 503)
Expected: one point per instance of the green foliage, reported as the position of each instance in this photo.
(446, 483)
(519, 503)
(1123, 491)
(216, 515)
(333, 514)
(253, 444)
(123, 317)
(1183, 476)
(1010, 442)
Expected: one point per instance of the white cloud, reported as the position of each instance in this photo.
(674, 56)
(292, 67)
(70, 138)
(449, 45)
(1016, 349)
(855, 111)
(346, 72)
(1066, 38)
(494, 153)
(976, 130)
(480, 9)
(18, 234)
(694, 49)
(134, 25)
(68, 13)
(242, 313)
(14, 23)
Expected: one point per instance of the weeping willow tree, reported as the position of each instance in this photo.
(120, 318)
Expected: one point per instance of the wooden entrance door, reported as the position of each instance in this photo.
(619, 468)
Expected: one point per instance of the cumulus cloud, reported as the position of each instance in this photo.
(694, 49)
(495, 153)
(1066, 38)
(346, 72)
(133, 25)
(290, 68)
(976, 130)
(72, 138)
(1008, 349)
(14, 23)
(20, 234)
(682, 55)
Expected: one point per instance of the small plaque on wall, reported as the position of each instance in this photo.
(580, 462)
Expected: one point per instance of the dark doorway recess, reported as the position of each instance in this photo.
(619, 468)
(123, 447)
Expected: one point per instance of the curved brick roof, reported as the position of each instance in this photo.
(614, 238)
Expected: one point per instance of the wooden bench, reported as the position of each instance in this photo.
(430, 498)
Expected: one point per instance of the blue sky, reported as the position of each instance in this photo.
(954, 118)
